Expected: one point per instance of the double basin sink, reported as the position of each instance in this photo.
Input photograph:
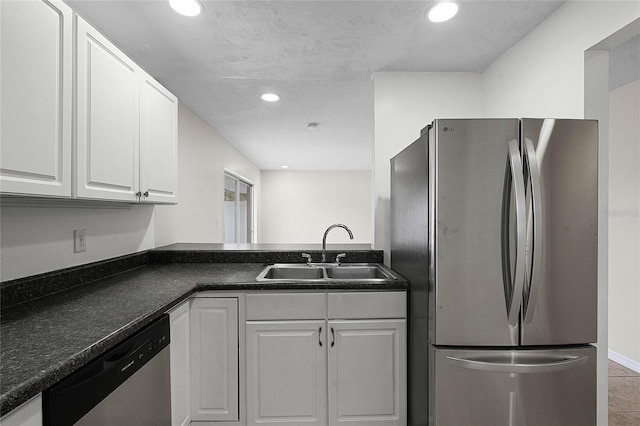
(326, 272)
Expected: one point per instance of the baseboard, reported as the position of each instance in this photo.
(623, 360)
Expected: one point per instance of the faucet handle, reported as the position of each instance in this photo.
(340, 256)
(307, 256)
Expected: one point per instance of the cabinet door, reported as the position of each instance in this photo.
(158, 142)
(36, 55)
(286, 372)
(214, 359)
(108, 119)
(367, 372)
(180, 366)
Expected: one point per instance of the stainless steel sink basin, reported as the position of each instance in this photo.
(290, 272)
(348, 272)
(326, 272)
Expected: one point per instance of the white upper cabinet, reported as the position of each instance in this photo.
(36, 80)
(124, 144)
(158, 142)
(108, 119)
(127, 126)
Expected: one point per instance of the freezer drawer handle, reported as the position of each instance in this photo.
(559, 364)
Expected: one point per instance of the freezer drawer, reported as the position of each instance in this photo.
(512, 387)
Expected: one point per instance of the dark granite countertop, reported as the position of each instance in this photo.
(45, 339)
(260, 253)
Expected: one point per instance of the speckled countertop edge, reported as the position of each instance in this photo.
(170, 285)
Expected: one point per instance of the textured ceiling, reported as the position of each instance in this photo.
(319, 56)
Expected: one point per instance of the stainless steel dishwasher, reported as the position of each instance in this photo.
(127, 385)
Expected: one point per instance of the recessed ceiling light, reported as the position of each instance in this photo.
(284, 167)
(270, 97)
(442, 11)
(187, 7)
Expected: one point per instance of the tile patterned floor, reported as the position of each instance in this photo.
(624, 396)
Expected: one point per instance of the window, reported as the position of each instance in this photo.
(237, 210)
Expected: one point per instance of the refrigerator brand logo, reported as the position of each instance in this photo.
(448, 129)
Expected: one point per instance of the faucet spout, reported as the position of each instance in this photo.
(324, 238)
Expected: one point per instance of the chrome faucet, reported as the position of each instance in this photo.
(324, 238)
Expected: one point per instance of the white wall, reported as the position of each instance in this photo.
(543, 74)
(39, 239)
(298, 206)
(596, 64)
(203, 156)
(624, 221)
(404, 104)
(624, 202)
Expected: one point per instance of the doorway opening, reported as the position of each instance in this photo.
(238, 209)
(612, 84)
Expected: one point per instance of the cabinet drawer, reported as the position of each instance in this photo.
(283, 306)
(354, 305)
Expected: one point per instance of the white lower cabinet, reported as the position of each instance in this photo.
(287, 358)
(214, 359)
(331, 370)
(286, 372)
(180, 353)
(367, 372)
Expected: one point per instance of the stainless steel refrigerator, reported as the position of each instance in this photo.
(494, 223)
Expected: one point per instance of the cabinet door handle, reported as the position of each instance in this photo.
(146, 194)
(320, 336)
(139, 194)
(333, 337)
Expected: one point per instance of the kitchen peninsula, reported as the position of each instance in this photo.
(45, 337)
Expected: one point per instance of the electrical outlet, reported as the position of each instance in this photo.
(79, 240)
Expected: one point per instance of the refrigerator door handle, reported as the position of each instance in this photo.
(550, 366)
(535, 220)
(514, 287)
